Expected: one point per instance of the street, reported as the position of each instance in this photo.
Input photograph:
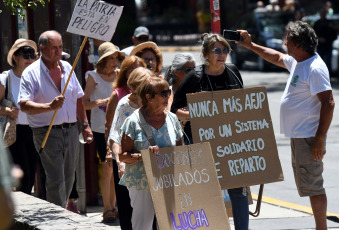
(286, 190)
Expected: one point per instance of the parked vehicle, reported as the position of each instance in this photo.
(266, 29)
(311, 19)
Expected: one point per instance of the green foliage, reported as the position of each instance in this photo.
(17, 7)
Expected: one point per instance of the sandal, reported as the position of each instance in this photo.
(109, 217)
(115, 212)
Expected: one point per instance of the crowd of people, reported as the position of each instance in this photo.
(134, 107)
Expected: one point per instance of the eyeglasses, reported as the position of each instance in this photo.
(143, 38)
(147, 60)
(186, 69)
(165, 93)
(28, 56)
(217, 51)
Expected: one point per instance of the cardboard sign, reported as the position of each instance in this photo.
(95, 19)
(184, 187)
(238, 125)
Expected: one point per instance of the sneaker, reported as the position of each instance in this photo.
(71, 206)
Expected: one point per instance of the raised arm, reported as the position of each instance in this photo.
(270, 55)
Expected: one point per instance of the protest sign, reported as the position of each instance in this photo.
(238, 125)
(184, 187)
(95, 19)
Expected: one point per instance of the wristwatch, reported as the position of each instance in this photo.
(85, 124)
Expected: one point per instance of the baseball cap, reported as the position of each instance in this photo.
(141, 30)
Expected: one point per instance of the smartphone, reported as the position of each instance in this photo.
(231, 35)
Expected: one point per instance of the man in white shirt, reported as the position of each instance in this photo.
(141, 34)
(40, 96)
(306, 109)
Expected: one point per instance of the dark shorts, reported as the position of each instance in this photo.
(307, 171)
(99, 139)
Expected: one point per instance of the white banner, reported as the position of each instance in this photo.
(95, 19)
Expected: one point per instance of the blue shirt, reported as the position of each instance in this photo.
(166, 136)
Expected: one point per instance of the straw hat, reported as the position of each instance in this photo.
(106, 49)
(149, 45)
(18, 44)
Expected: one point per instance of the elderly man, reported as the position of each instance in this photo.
(40, 96)
(306, 109)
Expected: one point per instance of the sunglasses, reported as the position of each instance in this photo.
(186, 69)
(143, 38)
(28, 56)
(218, 51)
(165, 93)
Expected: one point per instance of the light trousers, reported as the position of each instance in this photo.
(143, 210)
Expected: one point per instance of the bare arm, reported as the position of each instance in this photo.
(270, 55)
(110, 110)
(86, 130)
(31, 107)
(326, 115)
(121, 165)
(125, 151)
(88, 104)
(6, 209)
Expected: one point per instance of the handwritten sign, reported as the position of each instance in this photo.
(184, 187)
(95, 19)
(238, 125)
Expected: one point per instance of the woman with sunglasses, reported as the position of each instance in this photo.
(213, 75)
(182, 64)
(151, 120)
(21, 55)
(151, 54)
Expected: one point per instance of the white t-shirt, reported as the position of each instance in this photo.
(15, 86)
(128, 50)
(102, 90)
(299, 105)
(37, 85)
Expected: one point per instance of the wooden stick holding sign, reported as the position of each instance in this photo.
(94, 19)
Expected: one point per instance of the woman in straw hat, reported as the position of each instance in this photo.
(151, 54)
(97, 92)
(21, 55)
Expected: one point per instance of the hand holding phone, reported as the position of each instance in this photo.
(231, 35)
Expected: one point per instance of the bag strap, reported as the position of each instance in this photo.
(145, 127)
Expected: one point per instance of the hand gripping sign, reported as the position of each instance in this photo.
(184, 187)
(94, 19)
(238, 125)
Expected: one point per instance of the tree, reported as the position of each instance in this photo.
(17, 7)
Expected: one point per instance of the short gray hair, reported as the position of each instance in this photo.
(179, 61)
(43, 39)
(303, 34)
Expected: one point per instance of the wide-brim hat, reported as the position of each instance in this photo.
(108, 48)
(149, 45)
(17, 45)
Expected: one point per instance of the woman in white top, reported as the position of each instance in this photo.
(21, 55)
(97, 92)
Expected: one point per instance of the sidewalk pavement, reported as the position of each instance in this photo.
(39, 214)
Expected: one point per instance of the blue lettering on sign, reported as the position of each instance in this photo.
(191, 220)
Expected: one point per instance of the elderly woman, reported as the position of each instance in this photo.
(182, 64)
(164, 128)
(126, 106)
(151, 54)
(212, 76)
(97, 92)
(21, 55)
(120, 88)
